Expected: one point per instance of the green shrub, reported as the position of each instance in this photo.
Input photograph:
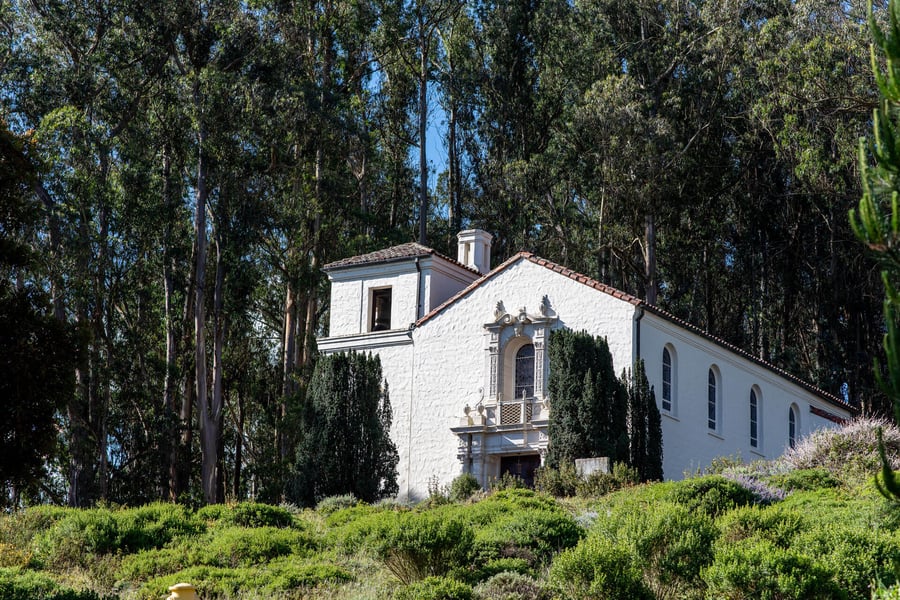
(17, 584)
(599, 484)
(463, 487)
(507, 481)
(562, 482)
(154, 525)
(597, 568)
(758, 569)
(532, 534)
(147, 564)
(495, 566)
(712, 495)
(511, 586)
(277, 578)
(21, 527)
(804, 479)
(435, 588)
(882, 592)
(855, 557)
(417, 545)
(239, 547)
(74, 539)
(850, 452)
(776, 524)
(328, 505)
(247, 514)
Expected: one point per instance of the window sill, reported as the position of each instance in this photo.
(669, 416)
(716, 435)
(758, 453)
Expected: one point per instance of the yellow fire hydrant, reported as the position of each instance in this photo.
(183, 591)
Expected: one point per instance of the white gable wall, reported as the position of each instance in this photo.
(451, 367)
(689, 444)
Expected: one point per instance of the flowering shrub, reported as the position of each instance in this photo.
(851, 450)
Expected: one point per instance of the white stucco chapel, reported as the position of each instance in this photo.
(463, 350)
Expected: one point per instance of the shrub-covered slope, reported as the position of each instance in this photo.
(767, 530)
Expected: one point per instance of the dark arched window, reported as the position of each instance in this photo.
(525, 372)
(666, 380)
(712, 402)
(754, 419)
(792, 426)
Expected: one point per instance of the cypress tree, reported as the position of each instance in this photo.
(588, 413)
(644, 425)
(345, 445)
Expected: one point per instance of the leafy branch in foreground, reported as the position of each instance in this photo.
(876, 221)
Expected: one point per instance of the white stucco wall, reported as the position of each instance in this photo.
(451, 365)
(432, 278)
(688, 443)
(439, 367)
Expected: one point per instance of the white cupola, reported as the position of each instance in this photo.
(475, 249)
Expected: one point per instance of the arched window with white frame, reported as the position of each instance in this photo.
(524, 372)
(754, 417)
(713, 404)
(668, 380)
(793, 425)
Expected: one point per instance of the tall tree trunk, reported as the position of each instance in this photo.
(218, 393)
(650, 259)
(423, 123)
(208, 442)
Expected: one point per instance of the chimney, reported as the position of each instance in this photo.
(475, 249)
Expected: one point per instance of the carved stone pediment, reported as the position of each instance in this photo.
(544, 316)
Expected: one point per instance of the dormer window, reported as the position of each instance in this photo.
(381, 310)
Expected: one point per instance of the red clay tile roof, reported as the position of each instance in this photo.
(637, 302)
(392, 254)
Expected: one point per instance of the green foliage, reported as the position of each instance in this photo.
(876, 220)
(511, 586)
(345, 444)
(435, 588)
(600, 484)
(645, 451)
(561, 482)
(589, 404)
(773, 523)
(330, 504)
(417, 545)
(37, 355)
(598, 568)
(851, 452)
(804, 479)
(247, 514)
(756, 568)
(854, 558)
(882, 592)
(463, 487)
(712, 495)
(507, 481)
(217, 582)
(16, 584)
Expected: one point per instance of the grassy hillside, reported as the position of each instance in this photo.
(766, 530)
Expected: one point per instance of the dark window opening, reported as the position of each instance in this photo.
(381, 310)
(754, 420)
(711, 421)
(792, 427)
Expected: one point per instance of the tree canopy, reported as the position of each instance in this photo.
(189, 169)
